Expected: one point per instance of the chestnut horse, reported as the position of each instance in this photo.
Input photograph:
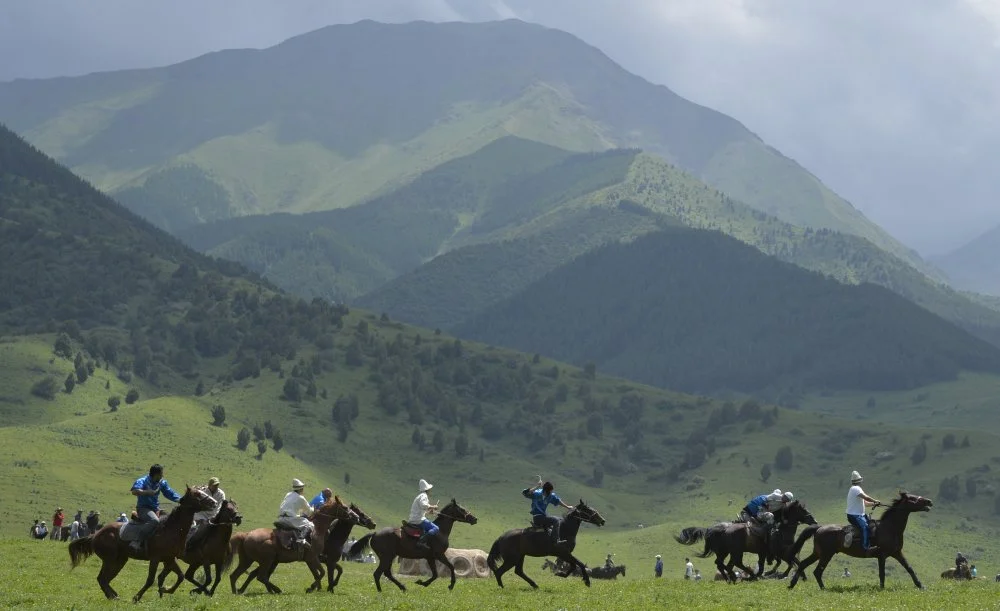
(165, 545)
(261, 546)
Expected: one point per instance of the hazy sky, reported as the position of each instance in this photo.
(893, 103)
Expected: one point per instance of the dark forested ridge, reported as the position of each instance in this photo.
(699, 311)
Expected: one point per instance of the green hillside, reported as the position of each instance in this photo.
(973, 266)
(350, 393)
(272, 129)
(700, 311)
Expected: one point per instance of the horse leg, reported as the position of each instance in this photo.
(738, 558)
(240, 569)
(150, 577)
(340, 571)
(881, 572)
(444, 560)
(109, 570)
(572, 560)
(800, 570)
(909, 569)
(317, 572)
(387, 571)
(172, 565)
(519, 571)
(218, 577)
(189, 576)
(264, 576)
(434, 573)
(507, 565)
(821, 566)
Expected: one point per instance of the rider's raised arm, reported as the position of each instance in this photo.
(169, 492)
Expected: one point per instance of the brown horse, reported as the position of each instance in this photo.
(731, 539)
(829, 540)
(391, 542)
(335, 541)
(165, 545)
(261, 546)
(963, 572)
(213, 549)
(514, 545)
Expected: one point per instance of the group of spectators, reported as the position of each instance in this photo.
(81, 526)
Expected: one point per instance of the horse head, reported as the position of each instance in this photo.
(796, 513)
(587, 514)
(457, 513)
(363, 518)
(198, 499)
(229, 513)
(333, 509)
(911, 502)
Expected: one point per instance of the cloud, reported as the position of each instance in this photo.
(891, 102)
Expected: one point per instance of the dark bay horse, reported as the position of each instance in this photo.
(262, 546)
(391, 542)
(165, 545)
(731, 540)
(514, 545)
(335, 541)
(213, 549)
(828, 540)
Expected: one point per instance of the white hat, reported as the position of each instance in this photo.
(856, 477)
(424, 486)
(777, 491)
(657, 555)
(297, 483)
(122, 515)
(788, 496)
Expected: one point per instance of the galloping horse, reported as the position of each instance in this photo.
(603, 572)
(165, 545)
(728, 539)
(828, 540)
(515, 544)
(391, 542)
(335, 541)
(213, 549)
(262, 546)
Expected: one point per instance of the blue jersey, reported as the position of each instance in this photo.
(540, 502)
(153, 502)
(756, 503)
(317, 501)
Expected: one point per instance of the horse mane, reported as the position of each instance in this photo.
(894, 507)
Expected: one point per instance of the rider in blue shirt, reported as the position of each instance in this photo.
(542, 496)
(147, 491)
(321, 498)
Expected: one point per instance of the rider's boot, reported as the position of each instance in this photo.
(423, 543)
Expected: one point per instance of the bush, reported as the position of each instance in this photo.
(113, 403)
(461, 445)
(45, 388)
(949, 488)
(243, 438)
(70, 383)
(919, 453)
(783, 459)
(132, 396)
(948, 442)
(218, 415)
(261, 448)
(277, 441)
(765, 472)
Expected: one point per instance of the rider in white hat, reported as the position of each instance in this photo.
(856, 501)
(418, 510)
(295, 510)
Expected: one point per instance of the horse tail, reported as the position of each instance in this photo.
(491, 559)
(710, 536)
(80, 550)
(361, 544)
(805, 536)
(690, 536)
(231, 550)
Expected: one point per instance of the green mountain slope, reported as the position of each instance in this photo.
(273, 129)
(357, 397)
(974, 267)
(700, 311)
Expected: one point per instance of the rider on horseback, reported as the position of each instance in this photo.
(202, 518)
(147, 489)
(542, 496)
(294, 512)
(418, 515)
(761, 510)
(856, 501)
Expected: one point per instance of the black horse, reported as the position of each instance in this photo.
(514, 545)
(335, 541)
(733, 539)
(829, 540)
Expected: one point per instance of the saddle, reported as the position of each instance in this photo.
(852, 534)
(413, 531)
(757, 529)
(290, 538)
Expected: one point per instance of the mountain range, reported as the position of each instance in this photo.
(975, 266)
(337, 116)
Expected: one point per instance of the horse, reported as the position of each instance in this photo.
(603, 572)
(335, 541)
(261, 546)
(514, 545)
(213, 549)
(165, 545)
(391, 542)
(732, 540)
(828, 540)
